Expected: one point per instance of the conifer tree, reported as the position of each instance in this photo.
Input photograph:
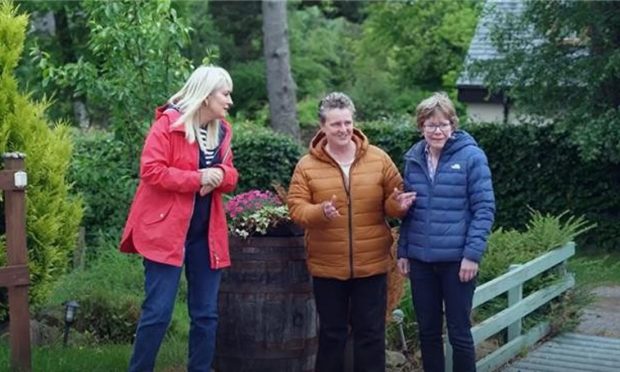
(53, 215)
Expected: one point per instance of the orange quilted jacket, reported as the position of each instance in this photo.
(356, 244)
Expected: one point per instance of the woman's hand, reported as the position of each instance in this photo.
(468, 270)
(211, 176)
(403, 266)
(404, 199)
(329, 208)
(204, 190)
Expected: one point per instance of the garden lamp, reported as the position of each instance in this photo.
(70, 310)
(398, 316)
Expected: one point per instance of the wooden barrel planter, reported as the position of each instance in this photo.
(267, 313)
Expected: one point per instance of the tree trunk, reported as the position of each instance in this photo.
(280, 84)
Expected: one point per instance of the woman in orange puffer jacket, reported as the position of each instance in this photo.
(341, 193)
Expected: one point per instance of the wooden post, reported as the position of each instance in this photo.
(514, 296)
(15, 276)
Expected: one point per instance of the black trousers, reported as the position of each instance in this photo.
(359, 303)
(435, 287)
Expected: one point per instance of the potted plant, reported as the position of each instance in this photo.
(268, 320)
(262, 213)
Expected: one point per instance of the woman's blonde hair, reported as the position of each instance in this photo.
(437, 103)
(201, 83)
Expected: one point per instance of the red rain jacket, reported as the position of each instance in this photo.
(162, 208)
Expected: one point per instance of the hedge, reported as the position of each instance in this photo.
(532, 166)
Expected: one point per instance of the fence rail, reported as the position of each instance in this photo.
(518, 307)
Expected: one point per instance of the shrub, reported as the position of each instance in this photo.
(263, 157)
(104, 176)
(52, 213)
(532, 166)
(110, 293)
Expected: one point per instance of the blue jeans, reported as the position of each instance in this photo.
(434, 285)
(161, 283)
(360, 303)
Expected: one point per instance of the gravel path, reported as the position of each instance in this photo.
(602, 316)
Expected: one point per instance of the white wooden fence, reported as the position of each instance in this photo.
(518, 307)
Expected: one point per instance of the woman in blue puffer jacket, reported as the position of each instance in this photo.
(444, 234)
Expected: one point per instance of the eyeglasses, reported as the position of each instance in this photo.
(430, 128)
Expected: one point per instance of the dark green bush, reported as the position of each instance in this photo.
(541, 168)
(532, 166)
(262, 157)
(109, 293)
(103, 174)
(395, 136)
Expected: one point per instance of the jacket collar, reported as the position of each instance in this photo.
(172, 114)
(318, 143)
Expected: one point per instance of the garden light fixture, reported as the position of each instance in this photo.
(70, 311)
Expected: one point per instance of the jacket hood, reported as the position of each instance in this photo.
(457, 141)
(317, 145)
(173, 114)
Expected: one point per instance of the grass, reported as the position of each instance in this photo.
(172, 355)
(596, 270)
(104, 358)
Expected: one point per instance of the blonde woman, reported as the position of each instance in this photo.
(177, 216)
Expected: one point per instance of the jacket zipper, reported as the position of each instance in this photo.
(189, 221)
(217, 259)
(349, 207)
(431, 190)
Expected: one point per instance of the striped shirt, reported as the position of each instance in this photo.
(208, 153)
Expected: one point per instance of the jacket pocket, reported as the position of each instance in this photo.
(157, 214)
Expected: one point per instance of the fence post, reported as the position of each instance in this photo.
(17, 280)
(514, 296)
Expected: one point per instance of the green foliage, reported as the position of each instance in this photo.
(99, 358)
(129, 66)
(52, 213)
(101, 174)
(263, 157)
(409, 49)
(572, 72)
(595, 270)
(321, 51)
(543, 233)
(540, 167)
(394, 135)
(109, 293)
(249, 92)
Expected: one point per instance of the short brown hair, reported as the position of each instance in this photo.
(437, 103)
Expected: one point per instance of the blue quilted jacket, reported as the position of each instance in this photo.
(453, 214)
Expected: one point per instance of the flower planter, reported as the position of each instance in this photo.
(267, 313)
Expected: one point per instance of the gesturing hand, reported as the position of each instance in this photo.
(329, 208)
(404, 199)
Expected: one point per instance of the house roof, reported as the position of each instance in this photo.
(481, 47)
